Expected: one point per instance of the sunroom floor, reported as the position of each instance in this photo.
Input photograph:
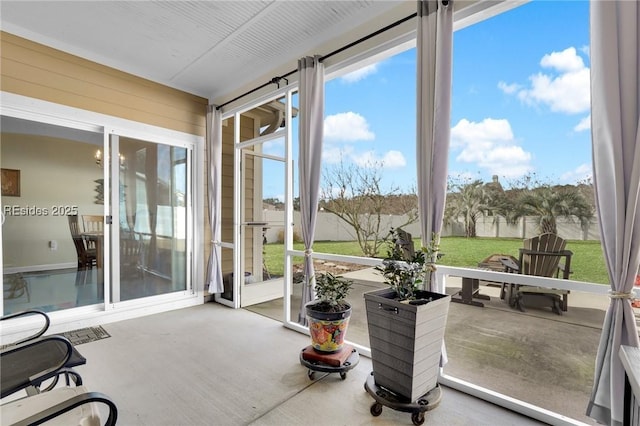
(212, 365)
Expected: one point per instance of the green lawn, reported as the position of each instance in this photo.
(587, 262)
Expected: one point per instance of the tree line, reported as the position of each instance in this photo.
(356, 195)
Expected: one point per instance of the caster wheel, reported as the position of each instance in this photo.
(343, 375)
(417, 418)
(310, 374)
(376, 409)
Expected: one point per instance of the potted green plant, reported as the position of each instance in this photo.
(328, 315)
(406, 322)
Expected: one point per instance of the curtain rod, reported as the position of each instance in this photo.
(276, 80)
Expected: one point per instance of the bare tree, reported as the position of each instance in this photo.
(355, 194)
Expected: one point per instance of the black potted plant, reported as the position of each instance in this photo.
(406, 321)
(328, 315)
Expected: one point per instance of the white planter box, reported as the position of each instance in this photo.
(406, 341)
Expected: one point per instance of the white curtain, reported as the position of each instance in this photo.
(615, 132)
(434, 58)
(214, 151)
(311, 72)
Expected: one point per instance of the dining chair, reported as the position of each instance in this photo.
(93, 223)
(86, 255)
(130, 255)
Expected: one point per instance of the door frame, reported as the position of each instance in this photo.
(238, 145)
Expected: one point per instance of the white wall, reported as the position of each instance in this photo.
(331, 228)
(53, 172)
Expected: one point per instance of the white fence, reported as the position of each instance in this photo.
(331, 228)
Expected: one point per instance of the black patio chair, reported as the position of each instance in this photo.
(29, 362)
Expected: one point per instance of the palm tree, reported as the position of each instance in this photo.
(471, 201)
(548, 203)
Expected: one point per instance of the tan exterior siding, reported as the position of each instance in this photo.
(33, 70)
(247, 132)
(227, 194)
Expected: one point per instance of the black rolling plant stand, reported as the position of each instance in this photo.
(339, 362)
(386, 398)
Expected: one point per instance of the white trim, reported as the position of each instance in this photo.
(94, 315)
(260, 97)
(482, 10)
(111, 290)
(237, 216)
(288, 213)
(19, 106)
(38, 268)
(505, 401)
(260, 140)
(532, 280)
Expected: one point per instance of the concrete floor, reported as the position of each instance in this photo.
(211, 365)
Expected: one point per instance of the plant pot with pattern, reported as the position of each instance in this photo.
(328, 315)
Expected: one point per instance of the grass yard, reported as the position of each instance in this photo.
(587, 262)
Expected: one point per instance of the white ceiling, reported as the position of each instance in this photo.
(208, 48)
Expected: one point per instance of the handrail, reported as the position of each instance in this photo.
(532, 280)
(483, 274)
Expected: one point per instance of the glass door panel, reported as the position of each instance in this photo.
(51, 178)
(153, 219)
(262, 219)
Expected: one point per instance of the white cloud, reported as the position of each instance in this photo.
(274, 147)
(586, 50)
(509, 89)
(390, 160)
(490, 144)
(359, 74)
(567, 93)
(335, 154)
(508, 161)
(489, 130)
(347, 126)
(394, 160)
(365, 159)
(565, 61)
(563, 88)
(580, 173)
(584, 124)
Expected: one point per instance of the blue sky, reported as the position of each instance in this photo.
(520, 102)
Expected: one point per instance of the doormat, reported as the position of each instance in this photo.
(86, 335)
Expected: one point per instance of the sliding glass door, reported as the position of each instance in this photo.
(51, 186)
(153, 227)
(89, 219)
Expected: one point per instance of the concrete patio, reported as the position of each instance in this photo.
(535, 356)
